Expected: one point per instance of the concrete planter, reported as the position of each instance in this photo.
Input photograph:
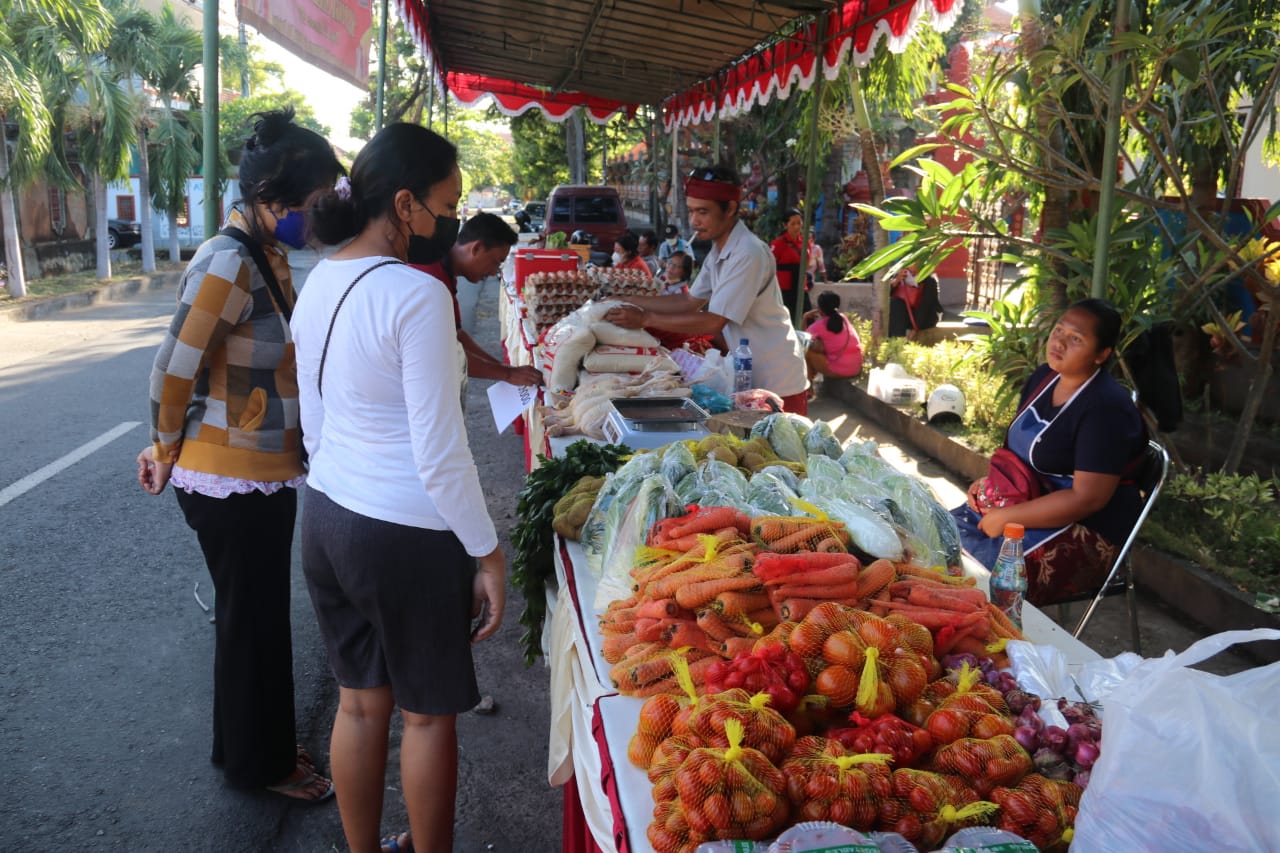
(1192, 591)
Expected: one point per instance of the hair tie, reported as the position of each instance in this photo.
(343, 188)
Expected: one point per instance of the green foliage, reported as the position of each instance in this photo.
(1228, 522)
(239, 60)
(1019, 328)
(532, 537)
(235, 122)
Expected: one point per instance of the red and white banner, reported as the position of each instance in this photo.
(333, 35)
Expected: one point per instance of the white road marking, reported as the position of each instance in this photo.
(35, 478)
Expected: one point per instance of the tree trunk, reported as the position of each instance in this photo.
(1257, 389)
(175, 251)
(575, 148)
(144, 202)
(17, 281)
(100, 233)
(875, 179)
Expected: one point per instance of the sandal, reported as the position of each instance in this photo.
(305, 788)
(305, 760)
(395, 844)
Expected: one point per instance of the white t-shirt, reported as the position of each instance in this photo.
(740, 283)
(388, 440)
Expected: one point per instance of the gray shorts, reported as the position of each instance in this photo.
(394, 606)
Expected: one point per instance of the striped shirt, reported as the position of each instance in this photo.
(224, 389)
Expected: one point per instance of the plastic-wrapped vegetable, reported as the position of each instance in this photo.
(691, 489)
(768, 495)
(784, 438)
(788, 477)
(868, 531)
(863, 459)
(823, 469)
(725, 477)
(677, 462)
(626, 526)
(820, 439)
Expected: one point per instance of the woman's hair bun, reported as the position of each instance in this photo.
(269, 126)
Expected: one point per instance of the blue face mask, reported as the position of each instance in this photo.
(292, 229)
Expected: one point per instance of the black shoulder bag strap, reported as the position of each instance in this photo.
(324, 353)
(260, 258)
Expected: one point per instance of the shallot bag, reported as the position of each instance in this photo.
(1190, 760)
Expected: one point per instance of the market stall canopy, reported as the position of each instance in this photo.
(692, 56)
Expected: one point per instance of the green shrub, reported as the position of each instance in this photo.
(1228, 522)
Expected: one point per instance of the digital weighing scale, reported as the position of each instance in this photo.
(643, 423)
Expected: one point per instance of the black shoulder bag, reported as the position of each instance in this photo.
(324, 353)
(264, 267)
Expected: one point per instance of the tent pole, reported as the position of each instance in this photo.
(811, 172)
(1110, 156)
(382, 69)
(431, 93)
(209, 170)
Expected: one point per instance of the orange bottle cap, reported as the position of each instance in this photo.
(1013, 530)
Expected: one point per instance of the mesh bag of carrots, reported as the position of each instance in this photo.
(650, 668)
(984, 764)
(730, 792)
(1041, 810)
(972, 710)
(926, 807)
(862, 661)
(794, 534)
(797, 583)
(681, 533)
(825, 781)
(763, 728)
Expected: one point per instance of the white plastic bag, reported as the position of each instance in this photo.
(1044, 671)
(716, 372)
(1190, 761)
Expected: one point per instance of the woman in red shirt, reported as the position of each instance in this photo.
(786, 253)
(626, 254)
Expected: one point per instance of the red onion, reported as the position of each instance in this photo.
(1027, 738)
(1055, 737)
(1082, 778)
(1078, 733)
(1029, 718)
(1086, 754)
(1018, 699)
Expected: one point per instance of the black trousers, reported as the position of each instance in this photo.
(247, 542)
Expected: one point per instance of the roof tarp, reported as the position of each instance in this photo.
(695, 57)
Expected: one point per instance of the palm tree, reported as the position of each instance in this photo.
(175, 137)
(130, 51)
(24, 74)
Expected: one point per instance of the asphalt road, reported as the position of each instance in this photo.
(106, 657)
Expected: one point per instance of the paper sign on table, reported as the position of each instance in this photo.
(509, 401)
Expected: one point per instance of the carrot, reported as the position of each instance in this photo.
(704, 520)
(1001, 625)
(658, 666)
(928, 595)
(699, 594)
(671, 585)
(931, 618)
(698, 665)
(685, 633)
(770, 565)
(842, 573)
(735, 646)
(737, 602)
(800, 589)
(614, 648)
(764, 617)
(805, 537)
(967, 643)
(770, 528)
(830, 545)
(715, 627)
(795, 609)
(908, 570)
(658, 608)
(624, 671)
(662, 685)
(875, 576)
(649, 630)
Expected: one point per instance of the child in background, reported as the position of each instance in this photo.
(834, 349)
(678, 273)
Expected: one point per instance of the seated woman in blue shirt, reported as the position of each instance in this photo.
(1080, 432)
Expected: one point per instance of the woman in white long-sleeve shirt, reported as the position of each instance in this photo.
(397, 545)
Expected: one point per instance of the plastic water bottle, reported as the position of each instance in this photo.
(742, 367)
(1009, 576)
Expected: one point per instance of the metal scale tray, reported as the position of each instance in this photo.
(649, 422)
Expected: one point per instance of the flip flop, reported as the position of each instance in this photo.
(296, 790)
(305, 760)
(391, 844)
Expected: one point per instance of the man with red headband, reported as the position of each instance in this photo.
(735, 294)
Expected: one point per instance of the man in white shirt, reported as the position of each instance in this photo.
(735, 294)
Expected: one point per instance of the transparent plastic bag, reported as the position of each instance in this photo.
(626, 528)
(821, 440)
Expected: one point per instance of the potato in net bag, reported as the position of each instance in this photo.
(764, 728)
(973, 710)
(825, 781)
(1041, 810)
(731, 792)
(984, 764)
(926, 807)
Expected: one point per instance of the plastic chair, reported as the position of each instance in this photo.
(1150, 479)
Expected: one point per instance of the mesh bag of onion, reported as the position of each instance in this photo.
(825, 781)
(925, 807)
(1041, 810)
(984, 764)
(763, 728)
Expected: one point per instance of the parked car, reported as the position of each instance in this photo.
(597, 210)
(536, 215)
(121, 233)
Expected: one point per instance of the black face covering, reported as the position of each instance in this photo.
(428, 250)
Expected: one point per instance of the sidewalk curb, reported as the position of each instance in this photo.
(114, 291)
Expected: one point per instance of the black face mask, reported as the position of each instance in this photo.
(429, 250)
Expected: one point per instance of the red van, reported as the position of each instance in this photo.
(596, 210)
